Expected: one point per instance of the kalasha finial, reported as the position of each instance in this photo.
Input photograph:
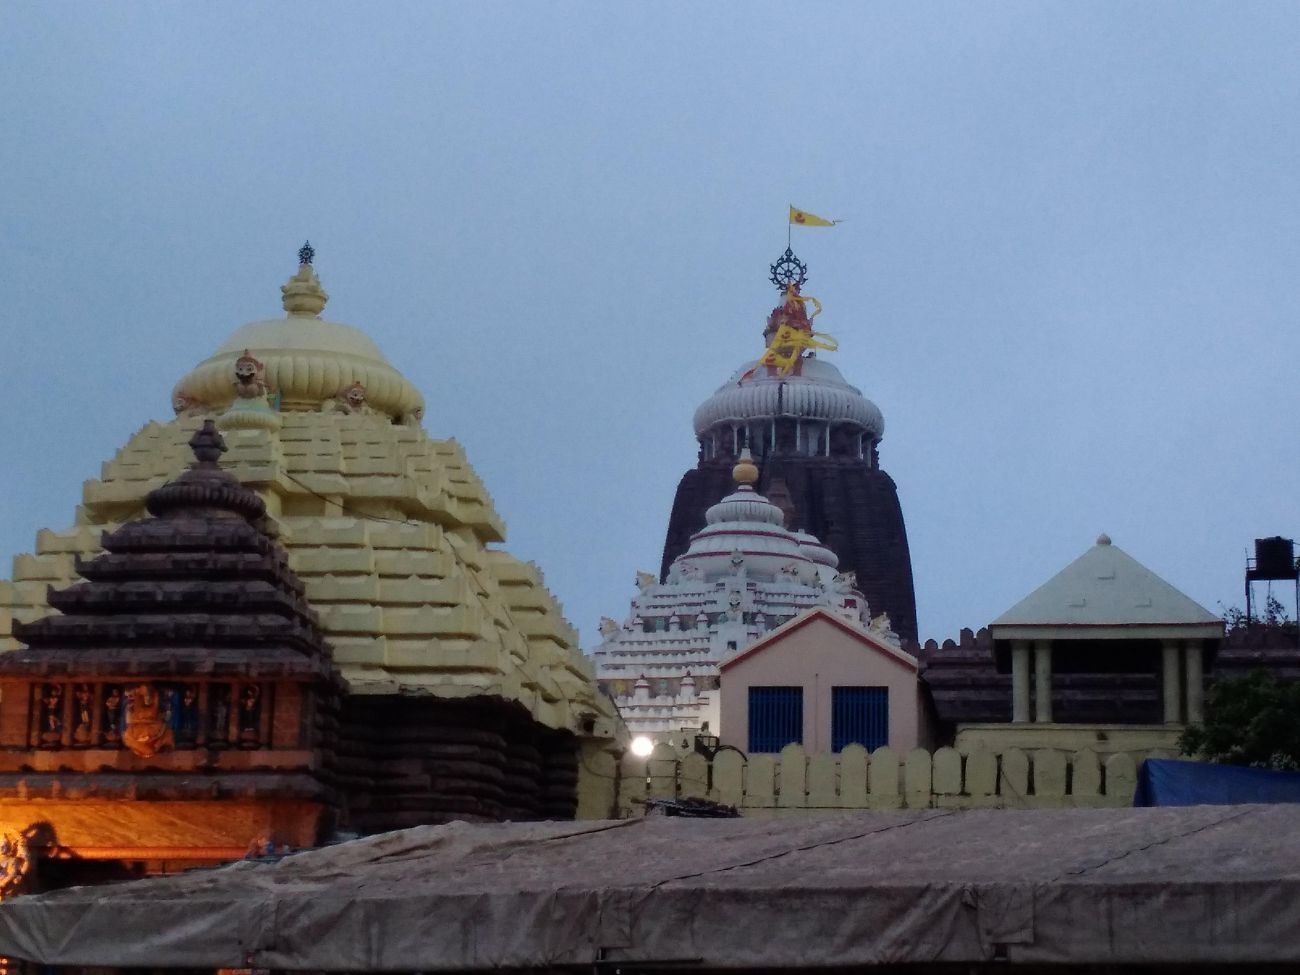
(303, 294)
(205, 490)
(207, 443)
(787, 271)
(745, 473)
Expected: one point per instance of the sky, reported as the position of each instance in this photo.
(1067, 271)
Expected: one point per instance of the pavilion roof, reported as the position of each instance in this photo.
(1105, 587)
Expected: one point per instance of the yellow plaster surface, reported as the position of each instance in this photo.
(306, 360)
(389, 530)
(798, 783)
(1104, 739)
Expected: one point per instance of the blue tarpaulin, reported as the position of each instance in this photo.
(1168, 782)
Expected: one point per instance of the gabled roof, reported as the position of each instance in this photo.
(821, 613)
(1106, 587)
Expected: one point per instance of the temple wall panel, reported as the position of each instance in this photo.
(287, 724)
(200, 830)
(15, 714)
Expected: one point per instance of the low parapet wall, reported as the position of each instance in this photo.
(793, 782)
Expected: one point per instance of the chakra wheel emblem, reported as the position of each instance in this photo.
(788, 270)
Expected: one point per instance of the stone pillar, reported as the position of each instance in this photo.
(1019, 681)
(1043, 681)
(1195, 682)
(1172, 688)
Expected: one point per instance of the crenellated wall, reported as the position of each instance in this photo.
(794, 782)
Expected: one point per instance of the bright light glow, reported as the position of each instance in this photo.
(642, 746)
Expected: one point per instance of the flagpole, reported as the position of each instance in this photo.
(788, 229)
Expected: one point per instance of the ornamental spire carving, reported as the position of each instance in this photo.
(302, 293)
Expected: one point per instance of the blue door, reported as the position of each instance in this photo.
(775, 717)
(861, 715)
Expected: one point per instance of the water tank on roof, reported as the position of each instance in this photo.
(1274, 558)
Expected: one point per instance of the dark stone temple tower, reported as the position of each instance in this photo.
(816, 439)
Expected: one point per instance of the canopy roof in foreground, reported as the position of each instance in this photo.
(1203, 884)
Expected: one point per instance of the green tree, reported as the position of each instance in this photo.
(1273, 617)
(1253, 720)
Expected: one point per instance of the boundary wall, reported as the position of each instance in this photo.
(794, 782)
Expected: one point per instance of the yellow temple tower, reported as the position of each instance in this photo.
(467, 694)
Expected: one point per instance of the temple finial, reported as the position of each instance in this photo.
(788, 272)
(745, 472)
(303, 294)
(208, 444)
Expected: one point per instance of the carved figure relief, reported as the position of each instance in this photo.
(146, 733)
(250, 716)
(15, 863)
(250, 382)
(219, 704)
(187, 716)
(112, 720)
(167, 706)
(608, 627)
(644, 580)
(186, 405)
(352, 400)
(83, 732)
(51, 731)
(149, 716)
(256, 405)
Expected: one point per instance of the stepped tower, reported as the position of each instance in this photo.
(181, 705)
(465, 693)
(817, 441)
(744, 575)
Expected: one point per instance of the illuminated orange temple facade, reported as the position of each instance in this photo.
(182, 704)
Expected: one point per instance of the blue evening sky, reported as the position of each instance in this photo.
(1068, 274)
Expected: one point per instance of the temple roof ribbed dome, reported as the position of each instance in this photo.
(814, 549)
(818, 391)
(747, 526)
(744, 505)
(307, 360)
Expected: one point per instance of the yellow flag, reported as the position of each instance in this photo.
(802, 218)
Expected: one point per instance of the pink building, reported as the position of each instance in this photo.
(823, 682)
